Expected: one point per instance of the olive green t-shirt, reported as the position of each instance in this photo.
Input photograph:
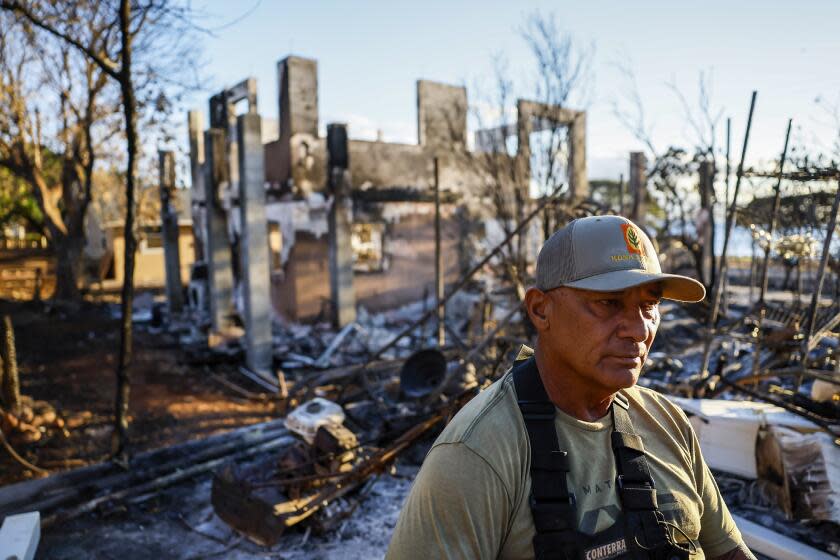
(470, 498)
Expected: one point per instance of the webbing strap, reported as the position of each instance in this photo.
(635, 485)
(552, 505)
(629, 450)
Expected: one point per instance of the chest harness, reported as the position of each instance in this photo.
(644, 534)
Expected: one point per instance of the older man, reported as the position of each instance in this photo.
(565, 457)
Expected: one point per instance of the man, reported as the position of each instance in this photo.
(564, 457)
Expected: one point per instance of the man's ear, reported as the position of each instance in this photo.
(536, 304)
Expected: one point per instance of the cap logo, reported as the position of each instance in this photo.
(632, 239)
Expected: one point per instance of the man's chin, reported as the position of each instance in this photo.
(617, 379)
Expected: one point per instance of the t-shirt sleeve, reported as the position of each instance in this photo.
(718, 533)
(458, 507)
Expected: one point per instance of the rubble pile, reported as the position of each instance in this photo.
(352, 422)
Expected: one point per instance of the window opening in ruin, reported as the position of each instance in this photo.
(549, 157)
(368, 241)
(275, 244)
(511, 145)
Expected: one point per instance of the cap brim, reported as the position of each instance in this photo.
(674, 286)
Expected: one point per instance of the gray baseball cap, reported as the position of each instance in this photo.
(607, 254)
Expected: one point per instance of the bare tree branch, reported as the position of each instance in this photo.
(106, 64)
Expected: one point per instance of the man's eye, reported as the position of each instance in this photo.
(611, 303)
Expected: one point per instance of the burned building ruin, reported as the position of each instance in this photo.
(318, 225)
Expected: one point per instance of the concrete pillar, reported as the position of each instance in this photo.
(524, 127)
(219, 271)
(169, 232)
(638, 188)
(578, 181)
(253, 243)
(706, 220)
(298, 86)
(441, 115)
(522, 172)
(223, 116)
(196, 138)
(299, 159)
(340, 227)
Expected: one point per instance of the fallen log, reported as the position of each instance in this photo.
(65, 488)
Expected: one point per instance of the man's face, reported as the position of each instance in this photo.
(603, 338)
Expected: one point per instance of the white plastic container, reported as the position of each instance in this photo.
(311, 415)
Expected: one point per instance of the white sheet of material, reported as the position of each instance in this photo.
(727, 430)
(776, 546)
(19, 536)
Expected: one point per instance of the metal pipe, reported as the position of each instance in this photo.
(728, 165)
(733, 209)
(774, 218)
(753, 265)
(439, 284)
(815, 297)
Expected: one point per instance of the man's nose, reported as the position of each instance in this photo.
(634, 325)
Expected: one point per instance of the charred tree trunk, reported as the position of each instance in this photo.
(11, 380)
(130, 116)
(68, 266)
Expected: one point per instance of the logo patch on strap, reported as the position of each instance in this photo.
(606, 551)
(633, 240)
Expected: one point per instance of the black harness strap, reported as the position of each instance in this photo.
(553, 506)
(636, 488)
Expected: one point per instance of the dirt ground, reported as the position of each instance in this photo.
(67, 357)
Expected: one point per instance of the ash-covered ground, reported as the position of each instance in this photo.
(180, 523)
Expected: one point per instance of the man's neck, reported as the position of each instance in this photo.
(569, 392)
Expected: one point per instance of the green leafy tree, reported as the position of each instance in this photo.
(17, 205)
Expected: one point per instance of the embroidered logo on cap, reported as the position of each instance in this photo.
(633, 240)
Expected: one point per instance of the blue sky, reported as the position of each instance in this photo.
(371, 53)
